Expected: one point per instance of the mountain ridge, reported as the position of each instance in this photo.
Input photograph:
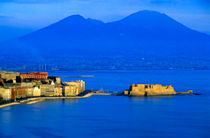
(142, 34)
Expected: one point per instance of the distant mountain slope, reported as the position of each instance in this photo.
(145, 33)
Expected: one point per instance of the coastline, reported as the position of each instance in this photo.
(40, 99)
(34, 100)
(9, 104)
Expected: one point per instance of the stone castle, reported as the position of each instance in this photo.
(149, 90)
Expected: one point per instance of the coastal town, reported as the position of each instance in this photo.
(16, 86)
(32, 87)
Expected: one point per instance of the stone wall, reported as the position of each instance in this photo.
(149, 90)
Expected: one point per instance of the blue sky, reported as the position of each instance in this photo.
(18, 17)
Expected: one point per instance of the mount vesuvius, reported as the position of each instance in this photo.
(145, 33)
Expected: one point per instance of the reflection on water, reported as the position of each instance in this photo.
(154, 98)
(72, 101)
(63, 101)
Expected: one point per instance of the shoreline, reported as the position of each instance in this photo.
(34, 100)
(9, 104)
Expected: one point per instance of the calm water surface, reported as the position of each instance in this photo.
(118, 116)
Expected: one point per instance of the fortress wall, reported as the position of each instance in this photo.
(150, 90)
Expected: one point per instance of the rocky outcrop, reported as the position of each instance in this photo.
(152, 90)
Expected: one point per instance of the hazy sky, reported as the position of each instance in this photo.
(18, 17)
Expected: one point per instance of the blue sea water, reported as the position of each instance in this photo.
(118, 116)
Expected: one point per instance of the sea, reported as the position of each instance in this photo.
(181, 116)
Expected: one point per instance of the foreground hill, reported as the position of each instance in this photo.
(142, 34)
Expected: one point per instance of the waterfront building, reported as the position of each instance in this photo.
(35, 84)
(29, 92)
(34, 75)
(5, 93)
(58, 91)
(18, 93)
(33, 91)
(47, 90)
(37, 92)
(80, 84)
(9, 76)
(27, 84)
(70, 90)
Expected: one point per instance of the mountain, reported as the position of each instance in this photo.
(142, 34)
